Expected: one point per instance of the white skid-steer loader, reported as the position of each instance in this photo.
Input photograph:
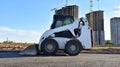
(65, 34)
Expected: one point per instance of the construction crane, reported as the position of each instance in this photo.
(98, 4)
(91, 21)
(91, 5)
(54, 9)
(91, 14)
(66, 4)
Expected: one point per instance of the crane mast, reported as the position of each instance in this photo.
(91, 5)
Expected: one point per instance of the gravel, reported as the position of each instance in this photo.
(13, 59)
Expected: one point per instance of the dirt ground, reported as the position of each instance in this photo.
(21, 46)
(13, 46)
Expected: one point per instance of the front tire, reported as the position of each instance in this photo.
(49, 47)
(73, 47)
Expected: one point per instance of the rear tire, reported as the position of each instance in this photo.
(73, 47)
(49, 47)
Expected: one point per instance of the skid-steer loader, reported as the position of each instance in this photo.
(65, 34)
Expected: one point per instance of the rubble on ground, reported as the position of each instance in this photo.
(13, 46)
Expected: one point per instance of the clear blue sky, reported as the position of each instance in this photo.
(26, 20)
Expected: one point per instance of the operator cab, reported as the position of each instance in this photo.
(61, 20)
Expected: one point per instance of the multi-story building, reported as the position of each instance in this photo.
(97, 26)
(71, 10)
(115, 30)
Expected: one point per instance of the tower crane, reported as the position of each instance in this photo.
(91, 5)
(91, 21)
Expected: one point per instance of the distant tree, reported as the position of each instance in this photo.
(108, 42)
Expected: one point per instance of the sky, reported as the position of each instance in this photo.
(27, 20)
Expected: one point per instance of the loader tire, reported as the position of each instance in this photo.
(73, 47)
(49, 47)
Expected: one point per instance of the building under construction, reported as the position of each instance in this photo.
(115, 30)
(71, 10)
(97, 26)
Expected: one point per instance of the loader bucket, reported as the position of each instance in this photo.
(30, 50)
